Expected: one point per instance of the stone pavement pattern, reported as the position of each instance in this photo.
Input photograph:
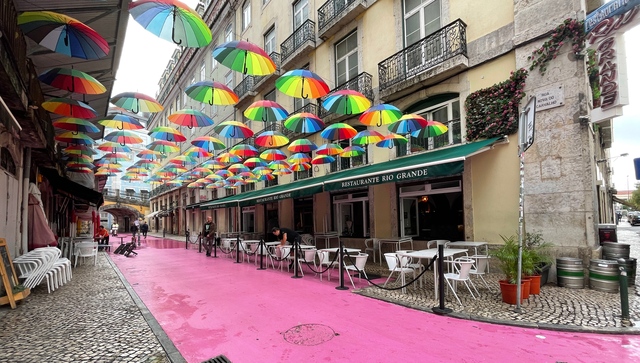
(93, 318)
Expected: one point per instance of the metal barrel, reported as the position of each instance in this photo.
(614, 251)
(604, 275)
(570, 272)
(631, 265)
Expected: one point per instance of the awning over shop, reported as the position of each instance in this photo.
(195, 205)
(72, 189)
(151, 215)
(623, 202)
(298, 189)
(230, 201)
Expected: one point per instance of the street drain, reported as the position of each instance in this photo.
(309, 334)
(218, 359)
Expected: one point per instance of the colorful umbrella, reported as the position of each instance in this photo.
(301, 83)
(322, 159)
(365, 137)
(271, 139)
(136, 102)
(172, 20)
(79, 150)
(149, 154)
(244, 57)
(75, 124)
(116, 156)
(63, 34)
(148, 164)
(329, 149)
(244, 151)
(346, 102)
(123, 137)
(213, 177)
(72, 80)
(209, 143)
(272, 155)
(254, 162)
(167, 133)
(69, 107)
(265, 110)
(195, 185)
(104, 172)
(197, 152)
(379, 115)
(201, 171)
(278, 165)
(338, 131)
(228, 158)
(121, 122)
(261, 170)
(352, 151)
(299, 158)
(392, 140)
(304, 122)
(237, 168)
(211, 92)
(433, 128)
(182, 160)
(113, 147)
(233, 129)
(266, 177)
(190, 118)
(407, 124)
(224, 173)
(213, 164)
(74, 138)
(80, 159)
(300, 167)
(163, 147)
(302, 146)
(284, 171)
(81, 170)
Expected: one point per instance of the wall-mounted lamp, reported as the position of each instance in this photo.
(612, 158)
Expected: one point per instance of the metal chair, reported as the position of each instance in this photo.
(462, 266)
(357, 266)
(393, 262)
(373, 245)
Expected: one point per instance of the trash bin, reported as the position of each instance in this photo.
(607, 233)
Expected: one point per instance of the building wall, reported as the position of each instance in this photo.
(10, 195)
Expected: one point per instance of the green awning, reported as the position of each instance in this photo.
(230, 201)
(437, 163)
(297, 189)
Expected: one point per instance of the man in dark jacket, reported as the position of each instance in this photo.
(209, 234)
(144, 228)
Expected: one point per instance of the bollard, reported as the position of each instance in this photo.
(441, 309)
(216, 243)
(237, 248)
(624, 293)
(164, 233)
(296, 245)
(341, 266)
(186, 242)
(261, 249)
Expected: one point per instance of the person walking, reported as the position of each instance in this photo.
(209, 234)
(144, 228)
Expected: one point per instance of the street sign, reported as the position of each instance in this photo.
(527, 125)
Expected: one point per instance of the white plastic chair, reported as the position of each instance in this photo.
(286, 254)
(373, 245)
(462, 266)
(360, 261)
(325, 261)
(308, 256)
(86, 249)
(480, 267)
(307, 239)
(434, 243)
(410, 262)
(394, 266)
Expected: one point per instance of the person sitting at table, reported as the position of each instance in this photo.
(286, 236)
(102, 237)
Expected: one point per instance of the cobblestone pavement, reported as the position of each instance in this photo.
(93, 318)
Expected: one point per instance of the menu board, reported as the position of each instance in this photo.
(9, 278)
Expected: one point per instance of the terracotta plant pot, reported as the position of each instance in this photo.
(535, 284)
(526, 288)
(509, 292)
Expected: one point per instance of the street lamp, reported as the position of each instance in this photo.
(612, 158)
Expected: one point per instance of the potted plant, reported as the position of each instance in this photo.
(507, 256)
(535, 248)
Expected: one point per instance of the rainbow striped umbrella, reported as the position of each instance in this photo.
(75, 125)
(149, 154)
(278, 165)
(408, 124)
(69, 107)
(72, 80)
(392, 140)
(211, 92)
(190, 118)
(302, 146)
(271, 139)
(224, 173)
(300, 167)
(123, 137)
(433, 128)
(79, 158)
(265, 110)
(266, 177)
(254, 162)
(209, 143)
(173, 169)
(63, 34)
(79, 150)
(106, 164)
(201, 171)
(228, 158)
(346, 102)
(285, 171)
(131, 177)
(163, 147)
(244, 57)
(261, 170)
(197, 152)
(322, 159)
(148, 164)
(213, 164)
(211, 186)
(175, 182)
(247, 174)
(304, 122)
(81, 170)
(203, 181)
(167, 133)
(352, 151)
(194, 185)
(338, 131)
(74, 138)
(233, 129)
(72, 164)
(329, 149)
(104, 172)
(299, 158)
(116, 156)
(273, 155)
(365, 137)
(136, 102)
(244, 151)
(379, 115)
(182, 160)
(113, 147)
(237, 168)
(121, 122)
(213, 177)
(301, 83)
(172, 20)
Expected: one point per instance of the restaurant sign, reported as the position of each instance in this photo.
(608, 10)
(273, 198)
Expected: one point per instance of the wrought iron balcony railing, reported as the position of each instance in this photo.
(127, 198)
(310, 108)
(430, 51)
(276, 59)
(305, 32)
(361, 83)
(244, 87)
(331, 10)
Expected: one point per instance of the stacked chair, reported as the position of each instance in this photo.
(44, 264)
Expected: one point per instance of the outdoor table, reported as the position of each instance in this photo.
(429, 254)
(475, 246)
(345, 249)
(326, 237)
(398, 241)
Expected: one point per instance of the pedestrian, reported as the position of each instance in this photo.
(209, 234)
(134, 230)
(114, 229)
(102, 237)
(144, 228)
(286, 236)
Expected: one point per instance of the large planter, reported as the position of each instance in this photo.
(543, 270)
(509, 292)
(526, 288)
(535, 284)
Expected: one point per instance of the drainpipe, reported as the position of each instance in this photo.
(25, 200)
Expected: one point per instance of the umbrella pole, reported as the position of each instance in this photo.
(173, 28)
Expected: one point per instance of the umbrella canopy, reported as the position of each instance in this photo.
(352, 151)
(167, 133)
(63, 34)
(261, 170)
(76, 125)
(244, 57)
(211, 92)
(72, 80)
(272, 155)
(147, 154)
(82, 170)
(302, 146)
(237, 168)
(197, 152)
(365, 137)
(233, 129)
(304, 122)
(172, 20)
(123, 137)
(213, 177)
(148, 164)
(224, 173)
(433, 128)
(228, 158)
(300, 167)
(208, 143)
(69, 107)
(346, 102)
(379, 115)
(195, 185)
(329, 149)
(278, 165)
(136, 102)
(266, 177)
(113, 147)
(80, 158)
(244, 151)
(121, 122)
(338, 131)
(407, 124)
(74, 138)
(265, 110)
(182, 160)
(80, 150)
(190, 118)
(322, 159)
(299, 158)
(301, 83)
(392, 140)
(284, 171)
(213, 164)
(163, 147)
(271, 139)
(116, 156)
(254, 162)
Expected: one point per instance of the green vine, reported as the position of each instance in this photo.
(593, 70)
(493, 111)
(571, 30)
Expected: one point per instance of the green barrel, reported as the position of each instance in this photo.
(570, 272)
(604, 275)
(631, 265)
(613, 251)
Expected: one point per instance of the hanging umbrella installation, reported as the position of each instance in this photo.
(299, 158)
(113, 147)
(147, 154)
(346, 102)
(228, 158)
(75, 125)
(172, 20)
(304, 122)
(244, 57)
(120, 121)
(301, 146)
(233, 129)
(382, 114)
(432, 129)
(329, 149)
(273, 155)
(167, 133)
(211, 92)
(63, 34)
(322, 159)
(244, 151)
(366, 137)
(301, 83)
(209, 143)
(338, 131)
(408, 124)
(265, 110)
(196, 152)
(74, 138)
(72, 80)
(392, 140)
(79, 150)
(163, 147)
(136, 102)
(69, 107)
(254, 162)
(352, 151)
(300, 167)
(190, 118)
(271, 139)
(123, 137)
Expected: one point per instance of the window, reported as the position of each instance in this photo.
(351, 214)
(228, 33)
(271, 183)
(248, 187)
(432, 211)
(228, 79)
(347, 58)
(448, 113)
(203, 71)
(270, 96)
(246, 15)
(249, 219)
(270, 41)
(300, 13)
(297, 175)
(214, 62)
(6, 161)
(421, 18)
(347, 163)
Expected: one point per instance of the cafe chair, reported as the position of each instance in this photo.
(480, 267)
(325, 261)
(393, 263)
(373, 245)
(359, 262)
(434, 243)
(410, 262)
(307, 239)
(462, 266)
(86, 249)
(308, 257)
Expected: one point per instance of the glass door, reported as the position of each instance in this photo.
(421, 18)
(409, 212)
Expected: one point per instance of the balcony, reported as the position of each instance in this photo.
(244, 89)
(432, 59)
(263, 82)
(362, 83)
(126, 198)
(335, 14)
(301, 42)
